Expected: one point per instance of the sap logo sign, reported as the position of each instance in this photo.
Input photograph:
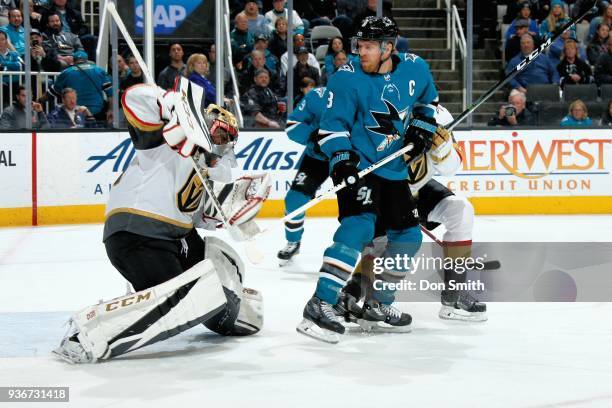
(257, 156)
(168, 17)
(120, 157)
(167, 14)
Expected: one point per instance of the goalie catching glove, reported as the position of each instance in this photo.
(241, 200)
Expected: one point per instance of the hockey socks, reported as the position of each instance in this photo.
(294, 228)
(402, 243)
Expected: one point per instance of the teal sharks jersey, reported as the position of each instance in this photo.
(369, 113)
(304, 121)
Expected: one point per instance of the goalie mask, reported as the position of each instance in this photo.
(223, 129)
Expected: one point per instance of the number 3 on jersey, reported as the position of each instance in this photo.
(330, 100)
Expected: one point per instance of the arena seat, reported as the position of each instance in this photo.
(543, 93)
(586, 92)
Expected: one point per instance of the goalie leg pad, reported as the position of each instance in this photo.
(244, 312)
(127, 323)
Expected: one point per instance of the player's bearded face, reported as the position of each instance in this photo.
(369, 55)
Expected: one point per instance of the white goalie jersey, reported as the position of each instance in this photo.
(160, 195)
(444, 158)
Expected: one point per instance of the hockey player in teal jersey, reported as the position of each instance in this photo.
(375, 107)
(303, 128)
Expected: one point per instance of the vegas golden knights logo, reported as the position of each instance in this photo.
(189, 196)
(417, 170)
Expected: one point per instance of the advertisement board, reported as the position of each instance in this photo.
(16, 170)
(78, 168)
(560, 162)
(178, 19)
(561, 171)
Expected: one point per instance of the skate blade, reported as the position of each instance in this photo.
(451, 313)
(283, 262)
(68, 357)
(59, 354)
(352, 327)
(382, 327)
(310, 329)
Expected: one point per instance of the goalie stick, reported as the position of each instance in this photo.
(253, 253)
(519, 67)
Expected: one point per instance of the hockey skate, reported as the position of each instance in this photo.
(286, 254)
(321, 322)
(461, 305)
(72, 351)
(348, 311)
(381, 318)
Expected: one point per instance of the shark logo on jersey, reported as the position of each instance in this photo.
(410, 57)
(388, 123)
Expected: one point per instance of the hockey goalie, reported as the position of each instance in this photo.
(181, 279)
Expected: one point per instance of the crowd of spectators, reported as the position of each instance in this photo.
(259, 43)
(581, 56)
(61, 42)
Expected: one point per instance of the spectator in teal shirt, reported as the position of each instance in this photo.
(15, 32)
(556, 18)
(9, 61)
(90, 83)
(578, 115)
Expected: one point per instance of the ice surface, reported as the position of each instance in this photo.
(526, 355)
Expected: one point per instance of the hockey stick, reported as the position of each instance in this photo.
(488, 265)
(519, 67)
(253, 253)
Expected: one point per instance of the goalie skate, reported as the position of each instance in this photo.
(462, 306)
(320, 322)
(286, 254)
(71, 351)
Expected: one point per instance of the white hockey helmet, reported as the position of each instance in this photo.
(443, 116)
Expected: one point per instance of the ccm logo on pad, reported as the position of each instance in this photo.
(127, 301)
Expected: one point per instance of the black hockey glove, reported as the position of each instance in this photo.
(420, 136)
(343, 165)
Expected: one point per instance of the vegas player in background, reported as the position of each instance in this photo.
(436, 205)
(181, 279)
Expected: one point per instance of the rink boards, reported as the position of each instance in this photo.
(56, 178)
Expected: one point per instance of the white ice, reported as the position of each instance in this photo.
(526, 355)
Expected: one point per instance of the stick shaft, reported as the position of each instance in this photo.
(110, 7)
